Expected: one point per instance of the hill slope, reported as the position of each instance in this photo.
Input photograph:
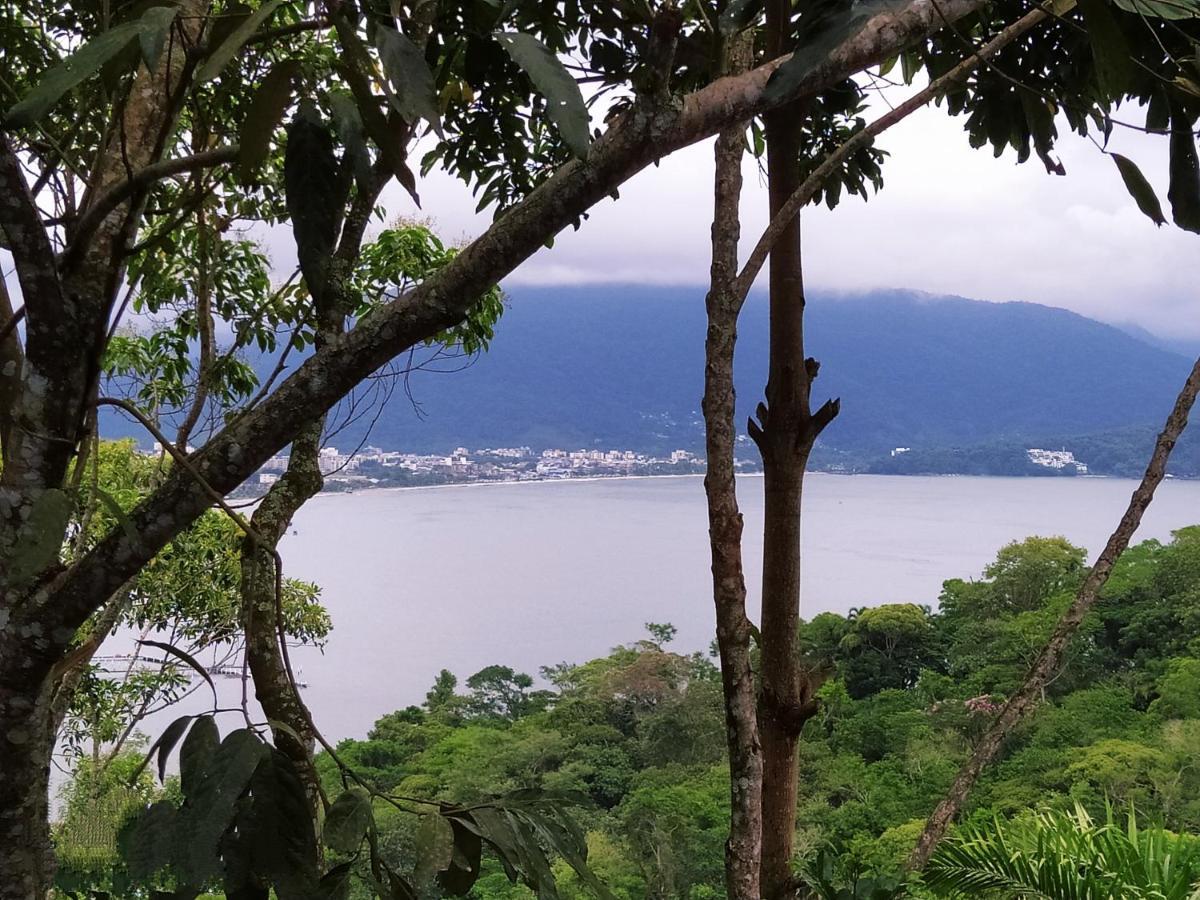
(622, 366)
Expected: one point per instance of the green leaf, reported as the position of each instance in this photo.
(413, 91)
(80, 65)
(223, 25)
(209, 812)
(156, 28)
(225, 51)
(313, 193)
(1139, 188)
(165, 742)
(347, 821)
(280, 827)
(460, 877)
(564, 102)
(1110, 50)
(435, 847)
(196, 753)
(1158, 111)
(356, 69)
(276, 725)
(1184, 191)
(823, 35)
(1161, 9)
(186, 657)
(350, 130)
(147, 843)
(335, 884)
(266, 111)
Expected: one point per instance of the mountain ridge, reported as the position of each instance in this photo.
(621, 366)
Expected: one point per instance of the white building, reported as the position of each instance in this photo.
(1056, 459)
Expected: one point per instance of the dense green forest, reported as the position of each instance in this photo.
(635, 737)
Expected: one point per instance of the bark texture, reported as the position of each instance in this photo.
(784, 433)
(11, 359)
(277, 693)
(1050, 660)
(743, 850)
(272, 685)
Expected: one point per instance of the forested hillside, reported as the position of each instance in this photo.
(637, 736)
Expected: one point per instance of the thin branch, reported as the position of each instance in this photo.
(103, 206)
(271, 34)
(21, 223)
(814, 182)
(1050, 660)
(13, 321)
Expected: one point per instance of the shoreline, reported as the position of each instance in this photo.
(584, 479)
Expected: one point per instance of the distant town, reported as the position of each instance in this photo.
(371, 467)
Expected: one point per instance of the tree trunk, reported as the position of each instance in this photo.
(26, 857)
(743, 851)
(785, 441)
(272, 686)
(1049, 662)
(784, 433)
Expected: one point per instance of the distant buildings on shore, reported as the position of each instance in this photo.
(370, 466)
(374, 467)
(1056, 459)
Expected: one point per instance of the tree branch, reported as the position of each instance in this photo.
(21, 223)
(11, 359)
(104, 205)
(636, 140)
(743, 849)
(813, 183)
(1050, 660)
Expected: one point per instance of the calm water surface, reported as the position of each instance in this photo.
(532, 574)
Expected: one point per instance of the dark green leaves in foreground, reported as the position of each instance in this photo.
(1139, 188)
(245, 823)
(151, 32)
(564, 102)
(822, 31)
(266, 112)
(347, 821)
(1162, 9)
(1184, 191)
(224, 50)
(410, 83)
(313, 192)
(76, 68)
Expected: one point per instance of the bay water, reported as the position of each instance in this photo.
(531, 574)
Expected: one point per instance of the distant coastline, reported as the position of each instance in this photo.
(342, 488)
(371, 468)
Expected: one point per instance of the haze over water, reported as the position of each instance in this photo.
(531, 574)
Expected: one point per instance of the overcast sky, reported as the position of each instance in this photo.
(950, 220)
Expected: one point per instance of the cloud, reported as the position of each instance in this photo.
(950, 220)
